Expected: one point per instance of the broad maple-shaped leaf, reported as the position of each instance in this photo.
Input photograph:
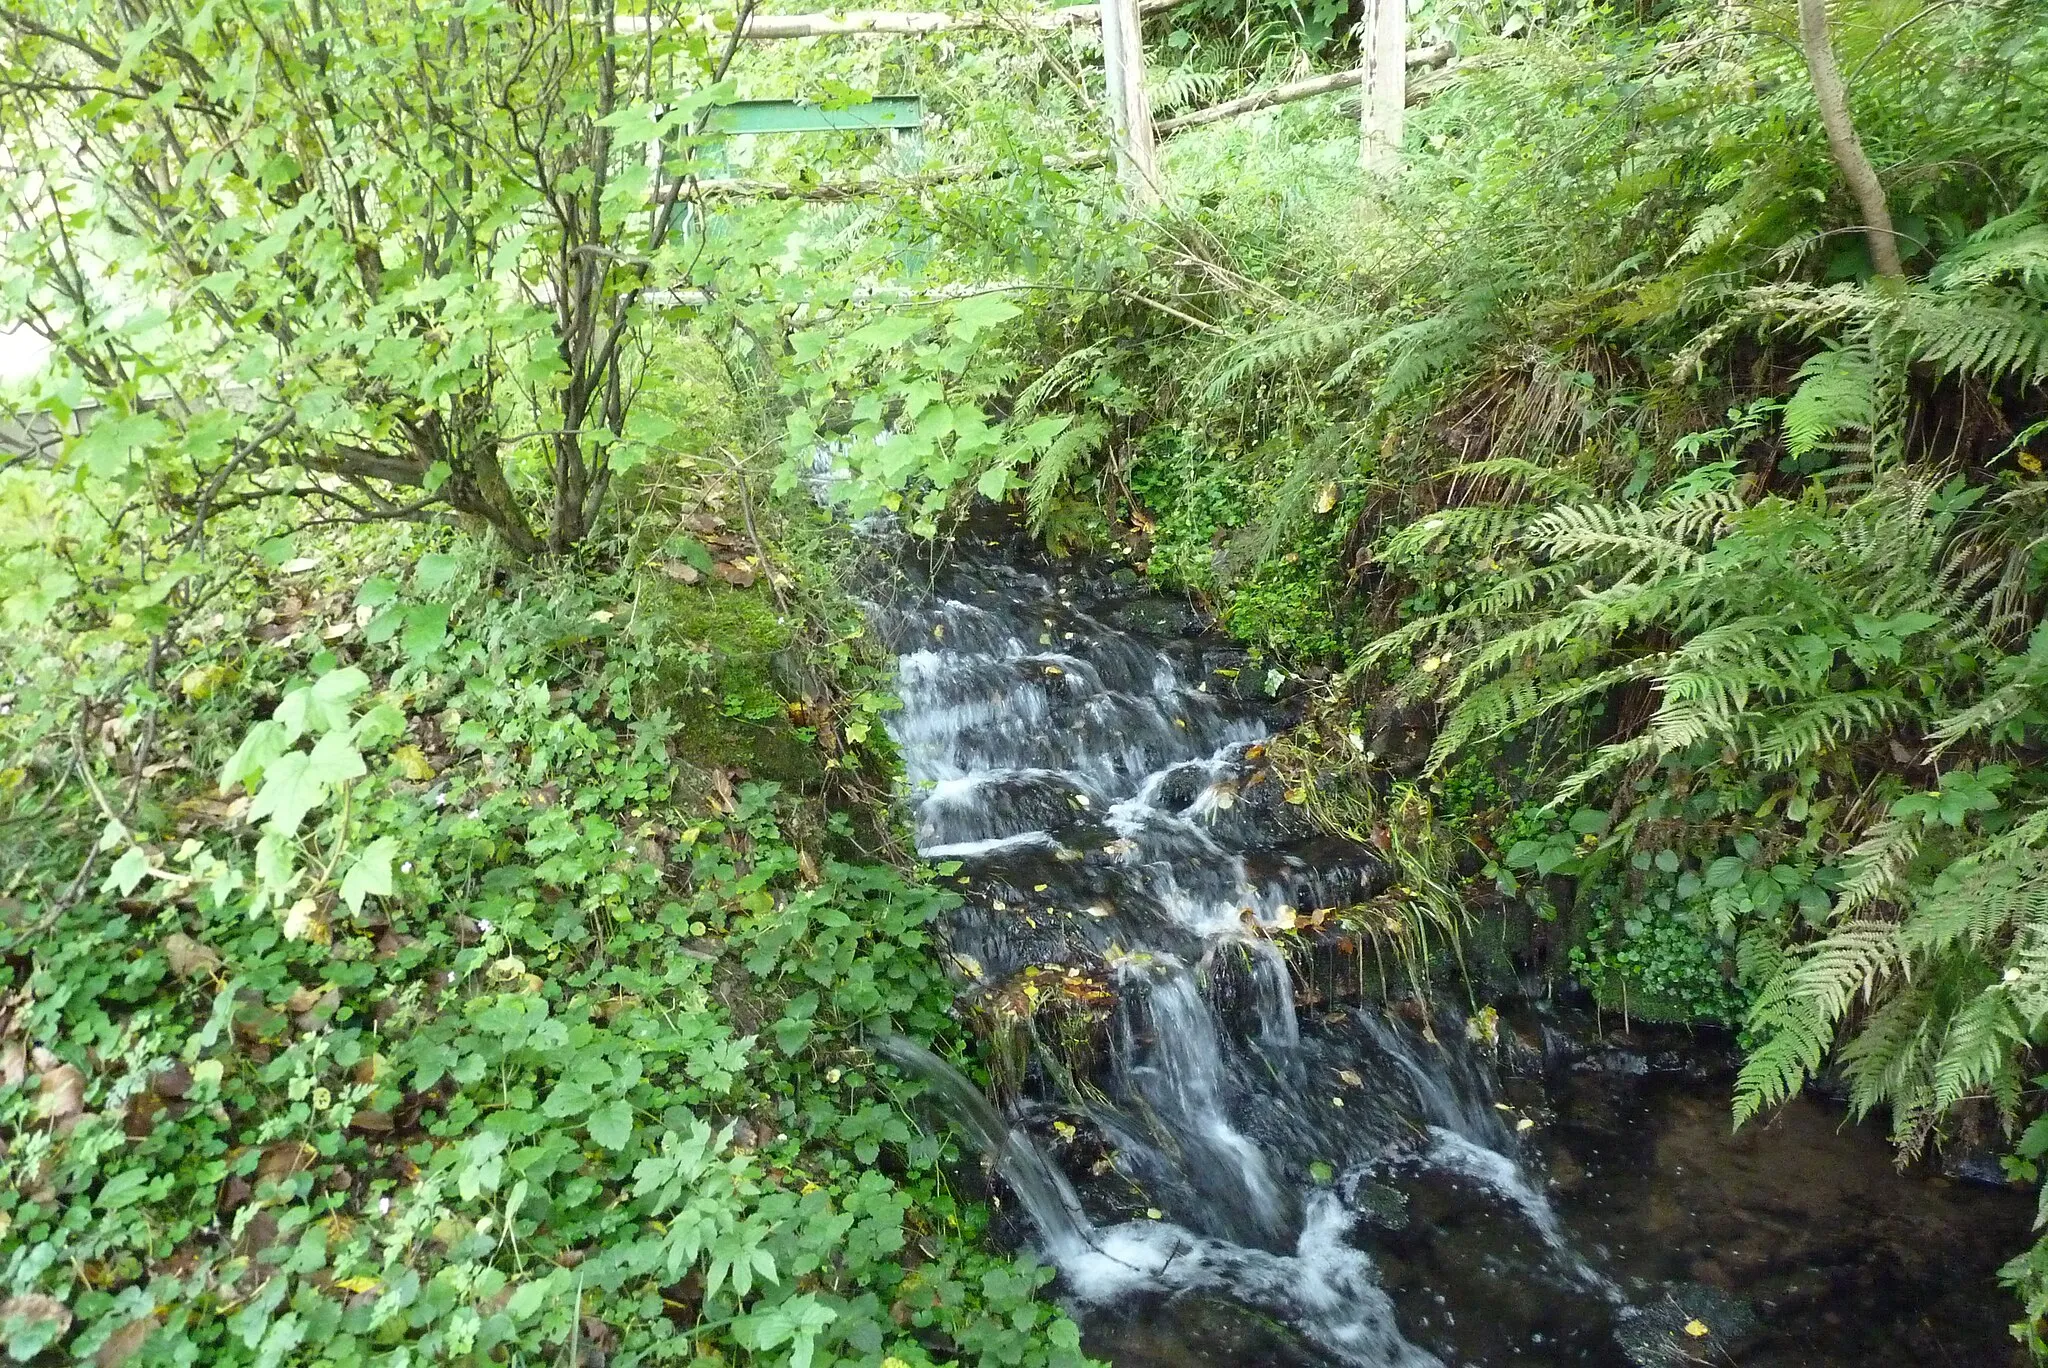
(371, 873)
(323, 705)
(299, 781)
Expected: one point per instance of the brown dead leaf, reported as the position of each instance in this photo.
(283, 1160)
(807, 868)
(125, 1343)
(60, 1094)
(681, 571)
(740, 574)
(13, 1063)
(189, 958)
(721, 788)
(371, 1119)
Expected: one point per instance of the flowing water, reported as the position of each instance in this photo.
(1228, 1165)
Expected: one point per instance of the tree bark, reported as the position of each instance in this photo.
(1833, 97)
(1383, 45)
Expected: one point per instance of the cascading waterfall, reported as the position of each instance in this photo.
(1107, 808)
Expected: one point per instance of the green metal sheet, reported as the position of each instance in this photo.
(795, 116)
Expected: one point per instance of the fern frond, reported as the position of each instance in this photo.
(1838, 390)
(1987, 336)
(1876, 865)
(1080, 439)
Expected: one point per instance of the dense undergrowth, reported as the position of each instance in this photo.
(1683, 574)
(468, 963)
(1591, 449)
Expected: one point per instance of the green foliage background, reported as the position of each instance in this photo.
(548, 899)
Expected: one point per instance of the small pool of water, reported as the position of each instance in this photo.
(1794, 1242)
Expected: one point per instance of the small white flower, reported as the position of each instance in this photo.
(483, 924)
(383, 1206)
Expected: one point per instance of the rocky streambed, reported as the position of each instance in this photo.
(1233, 1158)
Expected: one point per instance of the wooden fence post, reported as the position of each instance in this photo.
(1130, 113)
(1383, 44)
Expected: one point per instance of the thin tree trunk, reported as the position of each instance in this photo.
(1833, 97)
(1383, 44)
(1144, 145)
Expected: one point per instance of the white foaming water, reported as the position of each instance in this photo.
(1326, 1288)
(1454, 1153)
(1181, 1075)
(1052, 753)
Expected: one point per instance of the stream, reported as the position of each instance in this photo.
(1230, 1162)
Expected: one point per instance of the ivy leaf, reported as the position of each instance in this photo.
(435, 571)
(128, 871)
(612, 1124)
(885, 334)
(109, 446)
(975, 316)
(377, 591)
(795, 1322)
(566, 1099)
(378, 726)
(371, 873)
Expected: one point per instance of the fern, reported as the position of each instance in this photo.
(1838, 390)
(1078, 440)
(1987, 336)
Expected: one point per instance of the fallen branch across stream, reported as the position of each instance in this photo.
(1437, 56)
(901, 23)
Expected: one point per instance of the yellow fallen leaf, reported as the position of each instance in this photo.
(2030, 463)
(1327, 499)
(360, 1283)
(412, 763)
(1697, 1329)
(1525, 1124)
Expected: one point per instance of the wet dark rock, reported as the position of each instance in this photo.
(1622, 1063)
(1974, 1163)
(1198, 1331)
(1689, 1323)
(1156, 615)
